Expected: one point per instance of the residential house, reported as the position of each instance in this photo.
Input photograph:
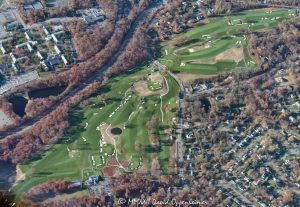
(3, 50)
(30, 48)
(64, 59)
(53, 60)
(40, 55)
(46, 31)
(57, 50)
(27, 36)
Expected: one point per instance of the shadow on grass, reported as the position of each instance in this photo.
(112, 100)
(82, 147)
(42, 174)
(75, 119)
(103, 89)
(98, 105)
(151, 149)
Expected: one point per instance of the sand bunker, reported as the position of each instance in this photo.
(107, 136)
(199, 47)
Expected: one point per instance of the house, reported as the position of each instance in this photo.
(13, 26)
(54, 38)
(37, 5)
(57, 27)
(13, 57)
(30, 48)
(28, 7)
(45, 65)
(40, 55)
(93, 179)
(53, 60)
(92, 15)
(3, 50)
(33, 42)
(21, 45)
(46, 31)
(15, 67)
(64, 59)
(48, 38)
(27, 36)
(57, 50)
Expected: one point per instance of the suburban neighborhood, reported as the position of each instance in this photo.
(149, 103)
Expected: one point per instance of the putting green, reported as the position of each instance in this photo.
(154, 86)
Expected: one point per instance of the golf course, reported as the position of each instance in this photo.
(126, 125)
(108, 133)
(220, 45)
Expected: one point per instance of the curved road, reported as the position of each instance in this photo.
(93, 77)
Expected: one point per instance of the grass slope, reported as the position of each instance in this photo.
(221, 36)
(70, 158)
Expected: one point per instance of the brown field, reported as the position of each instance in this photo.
(156, 77)
(19, 175)
(112, 167)
(236, 54)
(4, 119)
(188, 78)
(141, 87)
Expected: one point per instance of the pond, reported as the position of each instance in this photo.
(46, 92)
(206, 104)
(7, 171)
(19, 103)
(116, 131)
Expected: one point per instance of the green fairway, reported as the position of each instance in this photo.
(207, 49)
(82, 151)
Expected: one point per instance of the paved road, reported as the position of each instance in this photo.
(227, 185)
(179, 141)
(61, 19)
(93, 77)
(280, 6)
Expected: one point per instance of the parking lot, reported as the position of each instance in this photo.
(4, 119)
(19, 80)
(6, 17)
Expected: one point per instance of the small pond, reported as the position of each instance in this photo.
(19, 103)
(206, 104)
(46, 92)
(116, 131)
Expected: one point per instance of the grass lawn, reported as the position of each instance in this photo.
(219, 35)
(77, 155)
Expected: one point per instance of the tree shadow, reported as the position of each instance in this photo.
(151, 149)
(103, 89)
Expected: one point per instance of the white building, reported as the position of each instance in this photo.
(57, 50)
(46, 31)
(27, 36)
(64, 59)
(30, 48)
(40, 56)
(3, 50)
